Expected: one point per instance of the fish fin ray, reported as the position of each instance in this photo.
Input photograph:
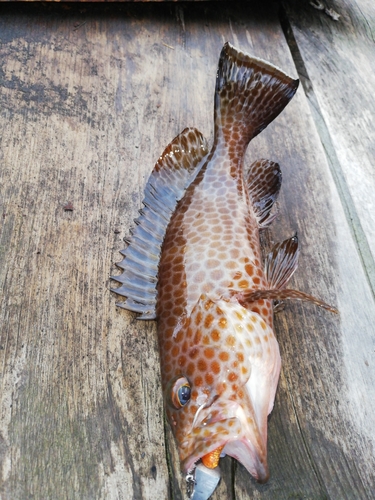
(263, 183)
(172, 174)
(284, 294)
(249, 92)
(281, 263)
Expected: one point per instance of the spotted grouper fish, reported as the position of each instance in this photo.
(194, 263)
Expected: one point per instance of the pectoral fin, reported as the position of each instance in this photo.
(253, 296)
(280, 265)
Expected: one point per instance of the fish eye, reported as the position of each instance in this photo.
(181, 392)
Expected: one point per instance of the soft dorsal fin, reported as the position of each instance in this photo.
(263, 183)
(172, 174)
(281, 263)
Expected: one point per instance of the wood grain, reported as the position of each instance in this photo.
(88, 100)
(336, 60)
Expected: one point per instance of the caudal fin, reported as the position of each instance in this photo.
(249, 94)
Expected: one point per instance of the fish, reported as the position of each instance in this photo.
(194, 263)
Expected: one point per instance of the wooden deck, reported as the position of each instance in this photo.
(89, 97)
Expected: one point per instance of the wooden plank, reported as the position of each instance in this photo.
(336, 59)
(88, 102)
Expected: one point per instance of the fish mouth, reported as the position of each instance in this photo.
(227, 437)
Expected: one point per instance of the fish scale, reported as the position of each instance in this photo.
(203, 275)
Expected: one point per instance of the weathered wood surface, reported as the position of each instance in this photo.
(335, 65)
(88, 101)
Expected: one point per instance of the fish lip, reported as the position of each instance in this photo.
(251, 453)
(256, 467)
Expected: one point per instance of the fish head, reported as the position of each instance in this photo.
(223, 386)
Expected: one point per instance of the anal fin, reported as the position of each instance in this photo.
(281, 263)
(263, 183)
(172, 174)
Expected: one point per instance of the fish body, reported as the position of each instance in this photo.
(194, 263)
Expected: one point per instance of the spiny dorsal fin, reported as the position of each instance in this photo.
(263, 183)
(281, 263)
(250, 93)
(172, 174)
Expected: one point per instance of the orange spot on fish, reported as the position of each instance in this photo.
(249, 269)
(208, 304)
(208, 320)
(230, 341)
(198, 318)
(178, 336)
(240, 357)
(202, 365)
(215, 367)
(169, 333)
(223, 322)
(224, 356)
(206, 340)
(232, 377)
(176, 279)
(215, 335)
(193, 353)
(197, 337)
(182, 361)
(209, 353)
(243, 284)
(190, 369)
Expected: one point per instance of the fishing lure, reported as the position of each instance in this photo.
(193, 262)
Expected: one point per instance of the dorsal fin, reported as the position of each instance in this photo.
(281, 263)
(172, 174)
(263, 183)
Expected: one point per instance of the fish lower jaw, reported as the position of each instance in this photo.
(240, 449)
(255, 461)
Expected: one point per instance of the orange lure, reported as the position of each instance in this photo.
(194, 263)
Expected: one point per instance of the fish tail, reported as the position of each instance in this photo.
(249, 94)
